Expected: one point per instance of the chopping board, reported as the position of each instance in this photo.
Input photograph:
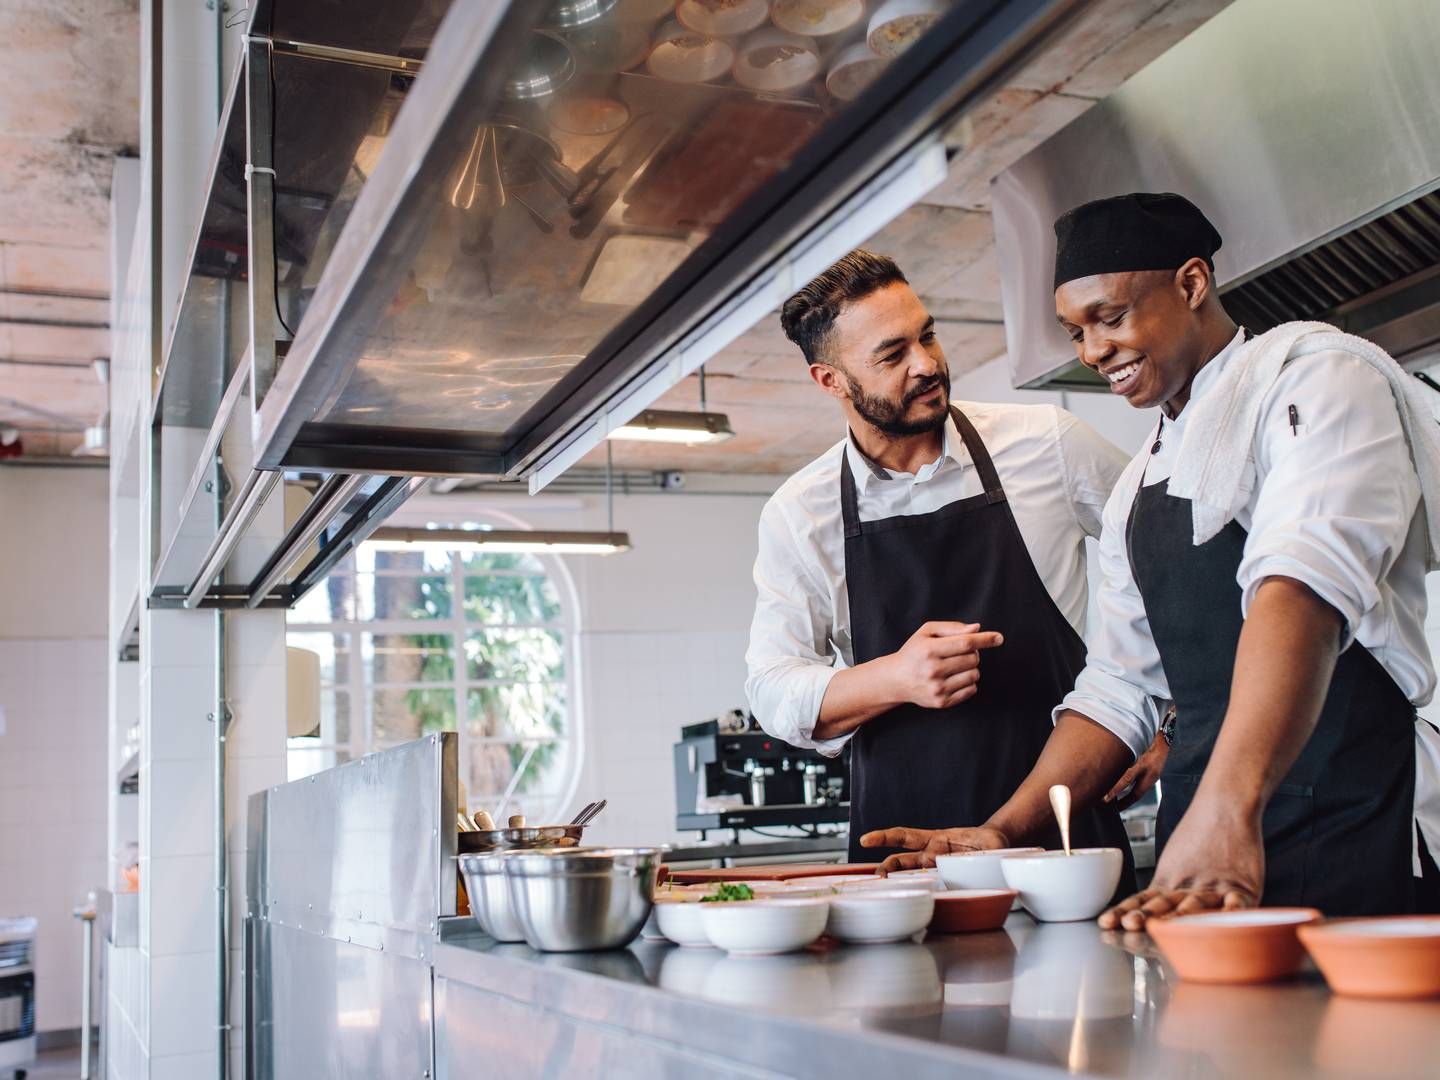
(782, 872)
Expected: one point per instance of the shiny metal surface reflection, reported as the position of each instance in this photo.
(1029, 1000)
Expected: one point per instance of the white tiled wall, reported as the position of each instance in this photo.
(54, 741)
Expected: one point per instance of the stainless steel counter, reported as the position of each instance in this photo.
(1031, 1000)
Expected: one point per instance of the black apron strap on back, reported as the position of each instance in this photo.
(984, 467)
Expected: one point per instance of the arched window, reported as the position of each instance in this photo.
(481, 643)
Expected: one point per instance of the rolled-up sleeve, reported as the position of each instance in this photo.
(1338, 490)
(789, 660)
(1122, 687)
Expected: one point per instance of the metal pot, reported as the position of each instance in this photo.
(490, 895)
(531, 836)
(571, 900)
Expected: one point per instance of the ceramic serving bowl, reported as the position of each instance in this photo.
(679, 919)
(1233, 946)
(772, 60)
(977, 869)
(960, 911)
(722, 18)
(1056, 887)
(873, 916)
(853, 69)
(682, 55)
(816, 18)
(762, 927)
(1396, 957)
(898, 24)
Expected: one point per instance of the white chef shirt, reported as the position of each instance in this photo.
(1057, 473)
(1331, 504)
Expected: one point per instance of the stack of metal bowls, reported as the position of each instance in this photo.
(563, 899)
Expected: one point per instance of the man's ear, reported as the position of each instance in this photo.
(1195, 282)
(828, 378)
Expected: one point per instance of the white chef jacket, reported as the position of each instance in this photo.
(1057, 473)
(1332, 504)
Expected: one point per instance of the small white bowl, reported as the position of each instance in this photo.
(681, 55)
(872, 917)
(977, 869)
(855, 68)
(772, 60)
(898, 24)
(891, 883)
(1055, 887)
(681, 922)
(722, 19)
(762, 927)
(816, 18)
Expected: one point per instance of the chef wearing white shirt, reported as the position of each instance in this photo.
(921, 585)
(1288, 631)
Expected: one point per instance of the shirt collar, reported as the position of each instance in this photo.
(864, 468)
(1208, 375)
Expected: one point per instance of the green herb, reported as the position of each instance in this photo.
(726, 892)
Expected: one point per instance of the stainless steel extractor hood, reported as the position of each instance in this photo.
(1306, 129)
(548, 232)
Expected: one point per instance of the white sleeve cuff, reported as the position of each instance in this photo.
(786, 700)
(1317, 572)
(1128, 713)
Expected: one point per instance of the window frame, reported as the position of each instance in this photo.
(360, 690)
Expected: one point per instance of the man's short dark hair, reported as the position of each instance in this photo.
(809, 315)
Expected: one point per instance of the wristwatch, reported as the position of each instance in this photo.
(1167, 726)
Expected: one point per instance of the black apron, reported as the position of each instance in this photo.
(1338, 829)
(966, 562)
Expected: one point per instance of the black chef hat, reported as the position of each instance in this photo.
(1141, 231)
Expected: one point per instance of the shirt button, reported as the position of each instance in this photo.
(1156, 448)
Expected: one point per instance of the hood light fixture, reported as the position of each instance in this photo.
(678, 426)
(553, 542)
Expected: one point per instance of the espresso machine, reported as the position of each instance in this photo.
(729, 774)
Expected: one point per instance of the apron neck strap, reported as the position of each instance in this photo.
(984, 469)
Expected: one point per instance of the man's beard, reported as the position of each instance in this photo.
(888, 416)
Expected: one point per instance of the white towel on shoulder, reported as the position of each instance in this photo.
(1211, 462)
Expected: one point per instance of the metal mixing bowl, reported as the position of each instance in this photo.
(571, 900)
(490, 895)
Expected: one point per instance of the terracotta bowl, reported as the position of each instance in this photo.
(1234, 946)
(1397, 957)
(961, 911)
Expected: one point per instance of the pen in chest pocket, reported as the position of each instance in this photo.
(1294, 421)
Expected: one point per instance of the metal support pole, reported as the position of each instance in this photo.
(221, 718)
(86, 914)
(260, 197)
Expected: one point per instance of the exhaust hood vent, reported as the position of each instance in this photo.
(1314, 148)
(1377, 281)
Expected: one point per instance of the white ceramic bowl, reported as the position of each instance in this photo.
(772, 60)
(816, 18)
(681, 55)
(854, 68)
(722, 18)
(761, 927)
(681, 922)
(892, 883)
(1055, 887)
(977, 869)
(872, 917)
(898, 24)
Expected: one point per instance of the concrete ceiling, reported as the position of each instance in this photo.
(69, 102)
(945, 245)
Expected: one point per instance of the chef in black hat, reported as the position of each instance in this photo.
(1262, 562)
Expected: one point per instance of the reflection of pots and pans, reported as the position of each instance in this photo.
(547, 66)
